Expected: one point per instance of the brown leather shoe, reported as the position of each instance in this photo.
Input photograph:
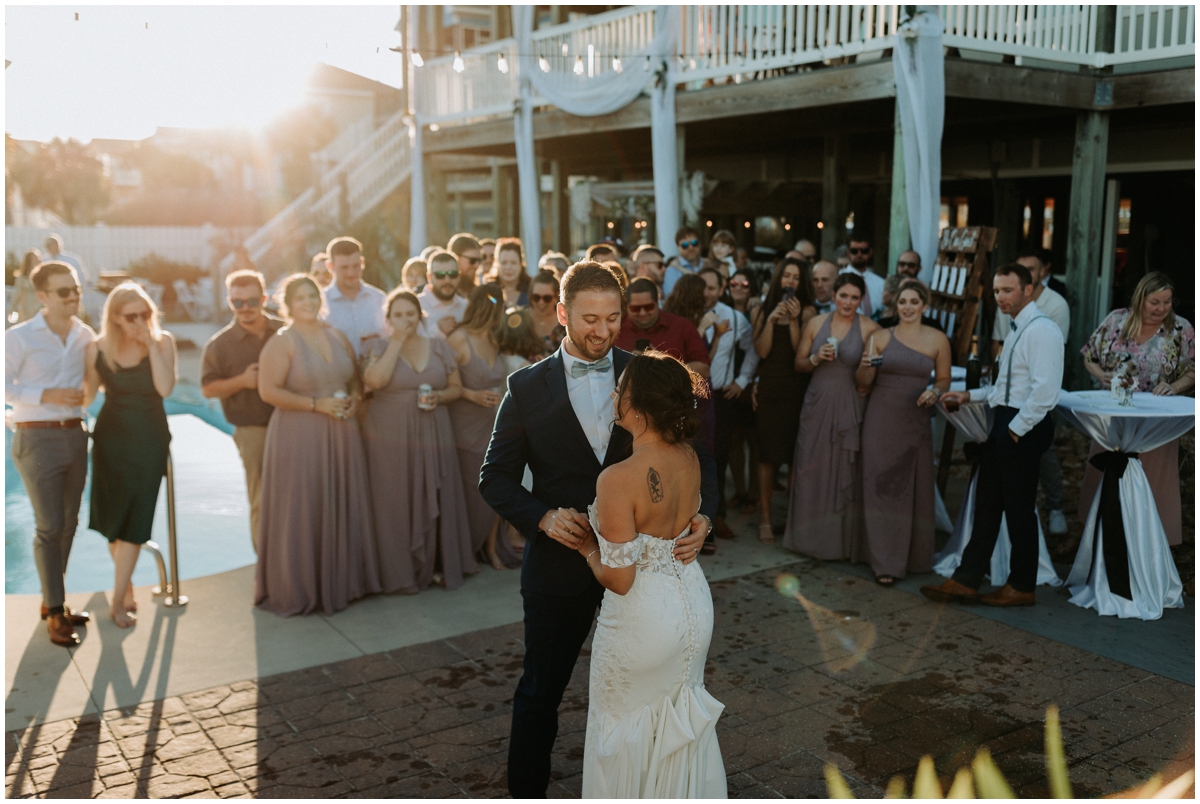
(73, 617)
(951, 591)
(723, 531)
(61, 631)
(1007, 596)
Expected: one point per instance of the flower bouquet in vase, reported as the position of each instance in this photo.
(1124, 382)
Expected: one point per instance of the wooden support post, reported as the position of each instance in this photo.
(460, 212)
(1084, 231)
(899, 235)
(497, 202)
(834, 195)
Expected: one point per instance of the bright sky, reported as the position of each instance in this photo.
(109, 75)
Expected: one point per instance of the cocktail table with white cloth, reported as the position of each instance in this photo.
(974, 421)
(1134, 574)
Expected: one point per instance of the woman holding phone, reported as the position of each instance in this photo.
(780, 389)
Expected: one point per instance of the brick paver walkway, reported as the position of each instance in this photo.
(432, 720)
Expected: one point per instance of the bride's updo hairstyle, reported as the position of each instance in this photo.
(664, 392)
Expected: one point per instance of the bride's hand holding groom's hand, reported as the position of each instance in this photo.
(566, 526)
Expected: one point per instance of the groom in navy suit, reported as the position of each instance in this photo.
(557, 419)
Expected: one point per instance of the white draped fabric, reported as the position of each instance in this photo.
(921, 98)
(974, 421)
(1153, 579)
(600, 94)
(417, 233)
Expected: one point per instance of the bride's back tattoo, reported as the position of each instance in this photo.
(656, 486)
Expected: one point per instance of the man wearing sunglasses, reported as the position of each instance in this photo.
(440, 301)
(661, 330)
(229, 372)
(648, 263)
(908, 264)
(470, 256)
(44, 361)
(687, 240)
(859, 251)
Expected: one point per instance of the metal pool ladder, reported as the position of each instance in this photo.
(168, 588)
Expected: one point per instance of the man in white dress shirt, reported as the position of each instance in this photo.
(440, 302)
(351, 305)
(729, 379)
(859, 251)
(43, 381)
(1052, 304)
(1026, 382)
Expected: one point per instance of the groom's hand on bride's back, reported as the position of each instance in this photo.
(688, 547)
(566, 526)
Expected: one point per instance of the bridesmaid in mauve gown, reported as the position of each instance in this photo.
(823, 517)
(897, 463)
(474, 416)
(421, 524)
(315, 546)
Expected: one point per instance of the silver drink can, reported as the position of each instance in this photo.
(424, 392)
(340, 395)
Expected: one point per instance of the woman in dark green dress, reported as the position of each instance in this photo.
(133, 360)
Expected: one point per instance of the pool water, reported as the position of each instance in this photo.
(212, 515)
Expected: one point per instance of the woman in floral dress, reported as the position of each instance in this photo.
(1158, 349)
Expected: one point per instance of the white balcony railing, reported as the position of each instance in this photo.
(720, 42)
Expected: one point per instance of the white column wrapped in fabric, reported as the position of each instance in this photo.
(417, 234)
(529, 199)
(662, 146)
(974, 421)
(919, 69)
(1153, 580)
(588, 96)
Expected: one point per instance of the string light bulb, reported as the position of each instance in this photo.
(459, 66)
(502, 63)
(646, 66)
(616, 64)
(578, 68)
(416, 59)
(564, 49)
(544, 64)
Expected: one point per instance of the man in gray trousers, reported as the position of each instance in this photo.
(43, 381)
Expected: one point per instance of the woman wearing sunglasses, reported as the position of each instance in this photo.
(133, 361)
(543, 307)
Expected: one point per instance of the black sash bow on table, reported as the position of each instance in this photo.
(1116, 552)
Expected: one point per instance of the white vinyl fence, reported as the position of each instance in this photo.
(112, 248)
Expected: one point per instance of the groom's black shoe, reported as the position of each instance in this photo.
(951, 591)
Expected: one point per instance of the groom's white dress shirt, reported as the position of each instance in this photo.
(591, 399)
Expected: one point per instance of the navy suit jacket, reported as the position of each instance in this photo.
(536, 425)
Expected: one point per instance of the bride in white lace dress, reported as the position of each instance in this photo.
(651, 729)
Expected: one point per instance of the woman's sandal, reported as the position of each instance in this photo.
(885, 580)
(765, 535)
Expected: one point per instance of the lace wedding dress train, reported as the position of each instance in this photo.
(651, 730)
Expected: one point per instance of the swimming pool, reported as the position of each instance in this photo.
(212, 515)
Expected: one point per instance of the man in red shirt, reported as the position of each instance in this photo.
(646, 326)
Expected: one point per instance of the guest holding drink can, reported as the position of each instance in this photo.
(897, 468)
(823, 518)
(421, 526)
(315, 545)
